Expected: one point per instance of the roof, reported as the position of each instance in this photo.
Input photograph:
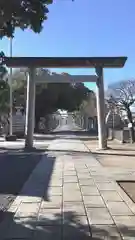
(65, 62)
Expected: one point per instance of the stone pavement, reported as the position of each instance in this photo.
(70, 195)
(118, 159)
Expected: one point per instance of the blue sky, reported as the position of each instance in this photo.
(83, 28)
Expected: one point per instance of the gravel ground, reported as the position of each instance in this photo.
(14, 171)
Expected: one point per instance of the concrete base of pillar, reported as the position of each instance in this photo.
(100, 149)
(28, 145)
(30, 149)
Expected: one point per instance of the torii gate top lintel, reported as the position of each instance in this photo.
(65, 62)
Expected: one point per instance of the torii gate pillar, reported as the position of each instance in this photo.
(101, 109)
(30, 109)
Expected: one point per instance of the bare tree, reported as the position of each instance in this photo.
(123, 99)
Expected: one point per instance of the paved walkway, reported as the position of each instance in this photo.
(70, 195)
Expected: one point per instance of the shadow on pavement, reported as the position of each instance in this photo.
(21, 150)
(15, 170)
(46, 228)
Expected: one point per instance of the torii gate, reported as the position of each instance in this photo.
(99, 63)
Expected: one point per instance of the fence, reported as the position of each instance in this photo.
(122, 135)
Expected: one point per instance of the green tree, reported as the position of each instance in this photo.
(23, 14)
(49, 97)
(4, 87)
(4, 97)
(3, 72)
(3, 69)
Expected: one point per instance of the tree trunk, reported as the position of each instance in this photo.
(37, 119)
(47, 123)
(132, 135)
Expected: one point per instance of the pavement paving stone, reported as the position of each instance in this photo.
(28, 208)
(86, 182)
(127, 233)
(70, 173)
(80, 167)
(31, 199)
(17, 200)
(56, 177)
(13, 209)
(16, 203)
(100, 171)
(68, 167)
(102, 179)
(50, 210)
(111, 196)
(125, 221)
(89, 190)
(106, 186)
(69, 170)
(105, 232)
(72, 179)
(70, 186)
(76, 207)
(55, 191)
(53, 202)
(84, 176)
(82, 171)
(93, 162)
(70, 190)
(22, 215)
(75, 196)
(126, 198)
(93, 201)
(99, 216)
(56, 183)
(119, 208)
